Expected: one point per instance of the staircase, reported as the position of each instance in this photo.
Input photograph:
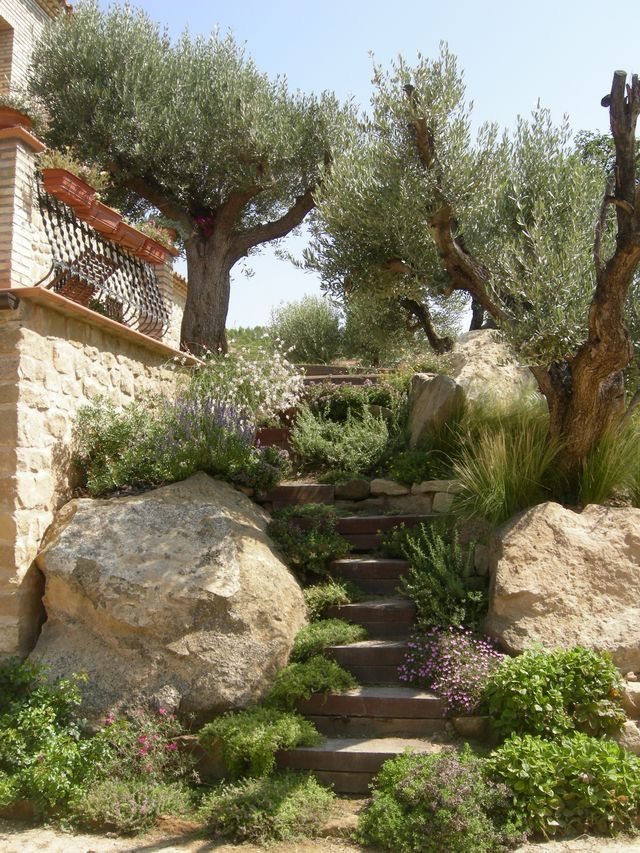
(381, 718)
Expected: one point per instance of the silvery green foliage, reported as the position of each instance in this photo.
(525, 205)
(193, 118)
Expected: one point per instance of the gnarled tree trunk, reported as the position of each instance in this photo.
(209, 263)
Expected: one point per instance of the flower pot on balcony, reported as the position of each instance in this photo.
(152, 252)
(104, 219)
(129, 237)
(10, 117)
(69, 188)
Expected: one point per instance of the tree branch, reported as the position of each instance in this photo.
(599, 229)
(243, 241)
(155, 194)
(438, 343)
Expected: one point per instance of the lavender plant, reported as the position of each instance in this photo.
(455, 663)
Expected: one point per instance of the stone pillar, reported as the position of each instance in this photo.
(18, 150)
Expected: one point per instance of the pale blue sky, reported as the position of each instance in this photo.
(513, 53)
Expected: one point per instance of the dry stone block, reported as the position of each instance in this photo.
(388, 487)
(562, 578)
(629, 736)
(352, 490)
(434, 400)
(435, 486)
(631, 699)
(442, 501)
(175, 596)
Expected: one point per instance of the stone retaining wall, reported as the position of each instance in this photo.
(50, 365)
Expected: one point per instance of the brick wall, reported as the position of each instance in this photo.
(50, 365)
(27, 19)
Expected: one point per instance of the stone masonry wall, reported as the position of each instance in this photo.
(50, 365)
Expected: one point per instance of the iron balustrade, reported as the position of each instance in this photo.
(95, 272)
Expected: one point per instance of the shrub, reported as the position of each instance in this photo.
(157, 441)
(413, 466)
(338, 402)
(128, 805)
(432, 803)
(503, 471)
(354, 446)
(310, 329)
(250, 739)
(439, 577)
(257, 385)
(321, 596)
(300, 680)
(551, 693)
(313, 639)
(573, 784)
(284, 807)
(311, 546)
(455, 664)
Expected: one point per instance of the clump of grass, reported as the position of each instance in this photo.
(321, 596)
(612, 465)
(300, 680)
(313, 639)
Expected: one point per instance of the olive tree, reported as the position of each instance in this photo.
(194, 128)
(523, 225)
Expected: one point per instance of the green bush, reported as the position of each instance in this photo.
(570, 785)
(413, 466)
(310, 329)
(355, 446)
(552, 693)
(439, 579)
(308, 546)
(321, 596)
(250, 739)
(300, 680)
(435, 803)
(313, 639)
(128, 805)
(284, 807)
(156, 441)
(338, 402)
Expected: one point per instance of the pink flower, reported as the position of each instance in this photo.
(172, 746)
(162, 712)
(143, 751)
(142, 739)
(110, 720)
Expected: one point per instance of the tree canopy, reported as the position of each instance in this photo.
(194, 128)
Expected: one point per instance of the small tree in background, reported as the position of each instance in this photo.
(195, 129)
(309, 328)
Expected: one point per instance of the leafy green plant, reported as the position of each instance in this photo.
(572, 784)
(321, 596)
(412, 466)
(284, 807)
(354, 446)
(439, 580)
(309, 328)
(250, 739)
(432, 803)
(338, 402)
(128, 806)
(300, 680)
(308, 537)
(313, 639)
(64, 158)
(551, 693)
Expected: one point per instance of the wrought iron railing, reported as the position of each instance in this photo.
(97, 273)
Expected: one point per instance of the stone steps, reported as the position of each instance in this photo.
(374, 575)
(349, 764)
(385, 618)
(371, 661)
(293, 494)
(343, 379)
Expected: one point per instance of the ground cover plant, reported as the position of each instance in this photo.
(569, 785)
(554, 693)
(455, 663)
(313, 639)
(319, 597)
(250, 739)
(283, 807)
(300, 680)
(307, 537)
(432, 803)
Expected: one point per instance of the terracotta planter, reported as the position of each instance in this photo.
(104, 219)
(129, 237)
(273, 437)
(153, 252)
(10, 117)
(69, 188)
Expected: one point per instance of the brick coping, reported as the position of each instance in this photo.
(59, 303)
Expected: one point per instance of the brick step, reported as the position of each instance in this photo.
(378, 701)
(375, 727)
(322, 370)
(389, 617)
(292, 494)
(376, 575)
(359, 524)
(349, 764)
(371, 661)
(344, 379)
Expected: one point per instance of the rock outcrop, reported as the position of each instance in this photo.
(562, 578)
(434, 400)
(174, 597)
(485, 366)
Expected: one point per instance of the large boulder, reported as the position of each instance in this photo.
(485, 366)
(433, 401)
(174, 597)
(562, 578)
